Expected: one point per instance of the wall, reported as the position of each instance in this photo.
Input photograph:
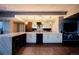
(53, 24)
(16, 26)
(46, 24)
(9, 25)
(12, 26)
(61, 20)
(55, 27)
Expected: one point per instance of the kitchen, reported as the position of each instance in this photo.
(39, 35)
(20, 28)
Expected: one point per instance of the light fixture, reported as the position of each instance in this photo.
(26, 22)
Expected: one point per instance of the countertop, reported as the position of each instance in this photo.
(19, 33)
(11, 34)
(43, 32)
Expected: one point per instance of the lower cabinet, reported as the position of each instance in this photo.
(71, 38)
(31, 38)
(52, 38)
(18, 42)
(39, 38)
(44, 38)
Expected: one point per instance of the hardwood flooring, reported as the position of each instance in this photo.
(48, 49)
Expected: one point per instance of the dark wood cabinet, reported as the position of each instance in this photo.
(18, 42)
(71, 38)
(39, 38)
(29, 27)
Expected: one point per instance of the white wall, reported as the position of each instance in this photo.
(46, 24)
(53, 24)
(55, 27)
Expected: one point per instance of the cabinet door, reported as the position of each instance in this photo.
(23, 40)
(15, 42)
(31, 38)
(39, 38)
(52, 38)
(18, 42)
(49, 38)
(59, 38)
(45, 38)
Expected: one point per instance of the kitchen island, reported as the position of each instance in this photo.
(47, 37)
(9, 43)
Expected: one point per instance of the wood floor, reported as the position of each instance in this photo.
(48, 49)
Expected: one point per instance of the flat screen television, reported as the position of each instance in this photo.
(70, 27)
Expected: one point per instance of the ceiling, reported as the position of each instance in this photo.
(37, 7)
(35, 18)
(70, 8)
